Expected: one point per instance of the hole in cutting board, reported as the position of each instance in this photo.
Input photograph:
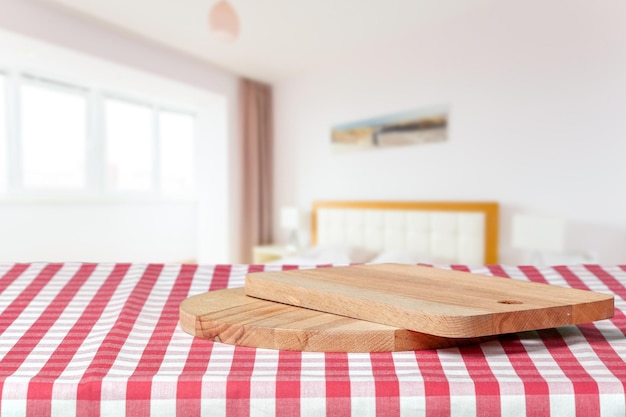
(510, 302)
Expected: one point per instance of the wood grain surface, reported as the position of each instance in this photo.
(435, 301)
(229, 316)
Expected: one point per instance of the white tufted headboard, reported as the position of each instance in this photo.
(461, 232)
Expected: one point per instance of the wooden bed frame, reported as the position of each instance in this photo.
(490, 211)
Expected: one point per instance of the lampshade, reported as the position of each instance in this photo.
(289, 218)
(538, 233)
(223, 21)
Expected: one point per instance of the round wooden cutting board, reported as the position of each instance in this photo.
(229, 316)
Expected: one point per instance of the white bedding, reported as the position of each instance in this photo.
(437, 233)
(329, 254)
(344, 254)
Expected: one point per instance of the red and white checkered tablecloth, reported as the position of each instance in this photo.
(103, 340)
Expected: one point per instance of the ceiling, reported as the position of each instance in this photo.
(278, 38)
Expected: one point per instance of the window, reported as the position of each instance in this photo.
(176, 133)
(59, 137)
(53, 130)
(128, 128)
(133, 138)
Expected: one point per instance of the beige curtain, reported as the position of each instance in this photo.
(257, 138)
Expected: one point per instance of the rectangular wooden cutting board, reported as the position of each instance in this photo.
(229, 316)
(430, 300)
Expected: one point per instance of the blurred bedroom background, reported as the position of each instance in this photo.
(120, 135)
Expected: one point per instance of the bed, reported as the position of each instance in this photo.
(446, 232)
(103, 339)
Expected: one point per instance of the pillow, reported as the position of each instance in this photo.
(407, 257)
(335, 253)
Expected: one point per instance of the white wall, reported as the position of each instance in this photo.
(209, 231)
(98, 232)
(537, 91)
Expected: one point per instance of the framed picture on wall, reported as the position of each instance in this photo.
(400, 129)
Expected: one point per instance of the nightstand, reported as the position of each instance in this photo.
(268, 253)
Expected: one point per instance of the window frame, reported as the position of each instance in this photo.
(96, 186)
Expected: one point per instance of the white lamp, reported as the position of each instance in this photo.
(290, 221)
(538, 234)
(223, 21)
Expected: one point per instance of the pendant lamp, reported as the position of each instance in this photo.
(223, 21)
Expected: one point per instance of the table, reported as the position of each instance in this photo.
(103, 340)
